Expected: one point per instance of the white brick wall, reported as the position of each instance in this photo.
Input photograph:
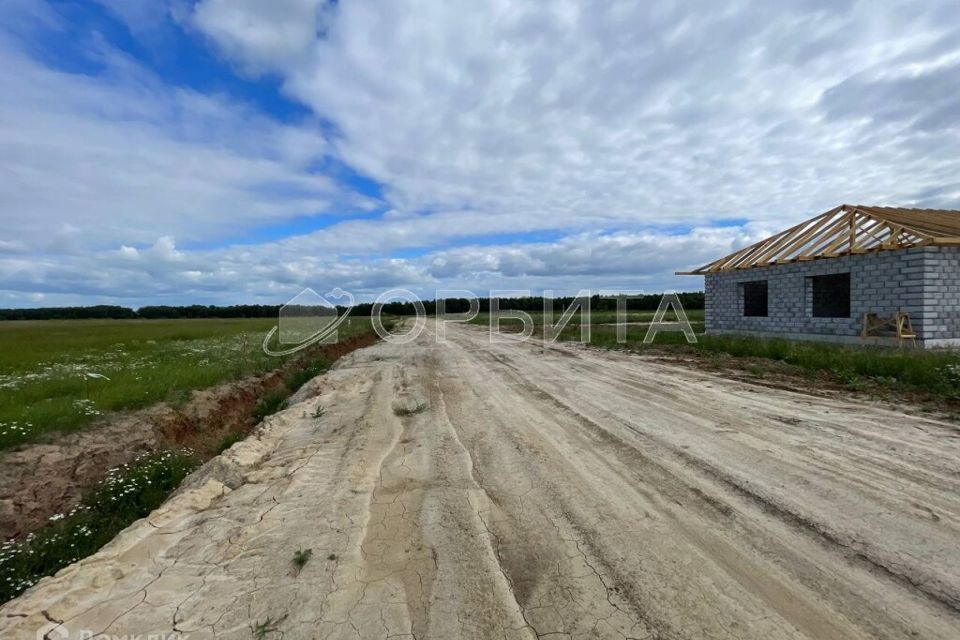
(923, 281)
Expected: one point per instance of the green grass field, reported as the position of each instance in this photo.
(928, 372)
(62, 375)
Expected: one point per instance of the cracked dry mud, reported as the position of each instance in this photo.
(469, 489)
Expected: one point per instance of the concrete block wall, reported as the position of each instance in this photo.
(924, 282)
(941, 299)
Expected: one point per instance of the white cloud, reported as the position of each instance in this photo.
(621, 111)
(263, 35)
(12, 246)
(272, 272)
(622, 128)
(129, 253)
(123, 158)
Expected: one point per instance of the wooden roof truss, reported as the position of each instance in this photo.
(845, 230)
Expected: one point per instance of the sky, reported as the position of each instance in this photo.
(237, 151)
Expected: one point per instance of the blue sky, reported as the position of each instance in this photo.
(227, 151)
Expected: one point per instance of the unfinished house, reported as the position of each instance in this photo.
(856, 274)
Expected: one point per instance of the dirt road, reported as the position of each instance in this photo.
(465, 489)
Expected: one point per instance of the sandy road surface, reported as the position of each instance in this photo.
(466, 489)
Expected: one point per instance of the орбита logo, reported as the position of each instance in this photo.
(307, 319)
(57, 631)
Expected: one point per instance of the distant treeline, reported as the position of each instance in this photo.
(126, 313)
(648, 302)
(68, 313)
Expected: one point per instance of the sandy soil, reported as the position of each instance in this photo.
(468, 489)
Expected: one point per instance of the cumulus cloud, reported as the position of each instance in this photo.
(274, 272)
(622, 111)
(621, 130)
(122, 157)
(264, 35)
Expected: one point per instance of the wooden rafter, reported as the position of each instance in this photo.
(844, 230)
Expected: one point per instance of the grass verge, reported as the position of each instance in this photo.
(270, 404)
(229, 440)
(929, 372)
(128, 492)
(310, 370)
(273, 402)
